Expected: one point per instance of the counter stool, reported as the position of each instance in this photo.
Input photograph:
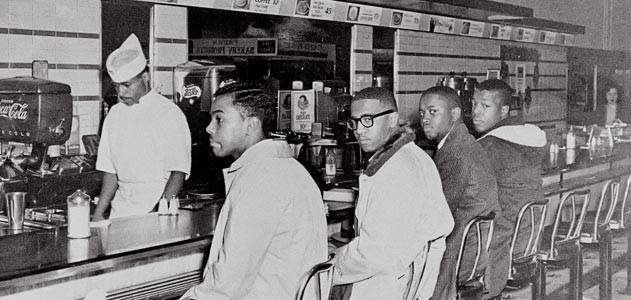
(322, 273)
(596, 232)
(618, 223)
(429, 259)
(563, 246)
(473, 286)
(524, 266)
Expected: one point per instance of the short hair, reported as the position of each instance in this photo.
(384, 95)
(446, 93)
(503, 90)
(251, 100)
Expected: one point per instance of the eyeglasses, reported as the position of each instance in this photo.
(366, 120)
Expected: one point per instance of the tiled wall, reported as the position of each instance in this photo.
(169, 37)
(361, 57)
(421, 58)
(66, 33)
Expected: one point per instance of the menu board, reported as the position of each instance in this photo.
(259, 6)
(363, 14)
(405, 20)
(302, 110)
(317, 9)
(441, 24)
(472, 28)
(284, 110)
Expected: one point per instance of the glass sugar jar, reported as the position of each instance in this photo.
(78, 215)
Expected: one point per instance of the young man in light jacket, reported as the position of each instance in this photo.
(402, 215)
(272, 227)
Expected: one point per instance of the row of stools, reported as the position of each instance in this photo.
(534, 246)
(562, 245)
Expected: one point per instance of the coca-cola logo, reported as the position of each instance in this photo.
(15, 111)
(191, 91)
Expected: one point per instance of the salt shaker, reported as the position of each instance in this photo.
(163, 208)
(174, 206)
(78, 215)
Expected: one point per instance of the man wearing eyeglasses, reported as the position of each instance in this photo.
(402, 217)
(467, 178)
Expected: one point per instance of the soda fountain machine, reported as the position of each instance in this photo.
(37, 112)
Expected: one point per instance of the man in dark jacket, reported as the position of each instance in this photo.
(516, 151)
(467, 178)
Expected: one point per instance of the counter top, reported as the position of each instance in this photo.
(42, 251)
(568, 160)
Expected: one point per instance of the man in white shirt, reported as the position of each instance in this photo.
(402, 217)
(272, 227)
(145, 146)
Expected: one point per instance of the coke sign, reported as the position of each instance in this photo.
(15, 111)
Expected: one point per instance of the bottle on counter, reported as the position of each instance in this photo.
(78, 215)
(330, 166)
(570, 142)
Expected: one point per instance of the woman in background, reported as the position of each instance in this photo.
(611, 108)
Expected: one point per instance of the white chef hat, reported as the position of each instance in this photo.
(127, 61)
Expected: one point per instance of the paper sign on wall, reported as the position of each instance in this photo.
(259, 6)
(235, 47)
(317, 9)
(505, 32)
(302, 110)
(441, 24)
(406, 20)
(529, 35)
(284, 110)
(363, 14)
(550, 37)
(472, 28)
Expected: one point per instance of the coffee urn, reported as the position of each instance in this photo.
(35, 111)
(464, 87)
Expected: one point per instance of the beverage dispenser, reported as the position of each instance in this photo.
(35, 111)
(194, 83)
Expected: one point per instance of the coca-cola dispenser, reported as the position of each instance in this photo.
(194, 83)
(35, 111)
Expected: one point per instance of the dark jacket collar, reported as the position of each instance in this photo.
(399, 138)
